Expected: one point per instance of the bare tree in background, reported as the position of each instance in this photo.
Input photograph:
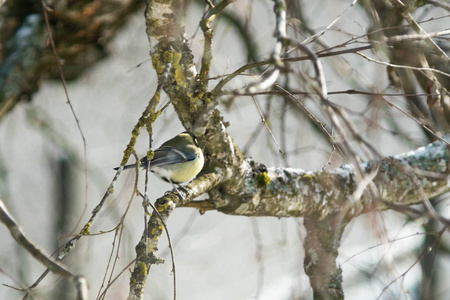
(407, 42)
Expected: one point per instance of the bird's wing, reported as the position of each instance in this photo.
(166, 155)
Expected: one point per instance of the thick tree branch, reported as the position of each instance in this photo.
(147, 247)
(287, 192)
(245, 187)
(321, 250)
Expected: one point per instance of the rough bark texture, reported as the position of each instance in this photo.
(321, 250)
(287, 192)
(327, 200)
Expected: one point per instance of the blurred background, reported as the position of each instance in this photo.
(46, 188)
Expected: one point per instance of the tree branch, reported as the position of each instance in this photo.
(147, 247)
(55, 267)
(288, 192)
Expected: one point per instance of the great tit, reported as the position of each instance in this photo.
(178, 160)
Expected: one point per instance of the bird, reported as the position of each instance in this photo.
(177, 160)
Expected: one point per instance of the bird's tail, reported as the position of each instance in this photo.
(143, 165)
(126, 167)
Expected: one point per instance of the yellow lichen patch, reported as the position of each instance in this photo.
(193, 99)
(151, 118)
(130, 146)
(161, 208)
(159, 68)
(142, 269)
(262, 179)
(179, 77)
(157, 231)
(178, 72)
(309, 177)
(132, 281)
(168, 57)
(176, 58)
(150, 154)
(86, 229)
(207, 98)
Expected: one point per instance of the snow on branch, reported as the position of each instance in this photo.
(403, 179)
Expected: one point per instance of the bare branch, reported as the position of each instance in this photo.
(79, 282)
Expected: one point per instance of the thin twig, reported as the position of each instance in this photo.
(118, 233)
(321, 32)
(312, 116)
(102, 296)
(417, 121)
(263, 120)
(63, 81)
(412, 22)
(402, 66)
(205, 24)
(323, 53)
(419, 258)
(79, 282)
